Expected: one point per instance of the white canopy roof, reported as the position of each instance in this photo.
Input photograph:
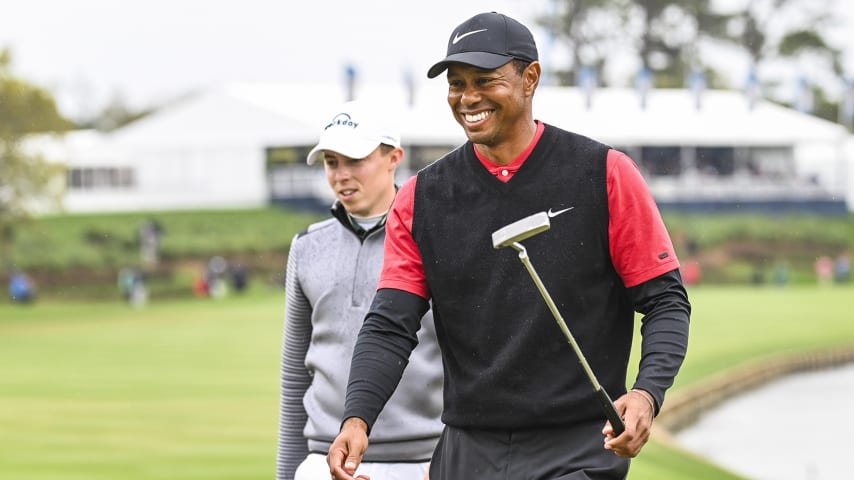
(293, 114)
(672, 117)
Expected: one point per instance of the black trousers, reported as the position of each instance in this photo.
(560, 453)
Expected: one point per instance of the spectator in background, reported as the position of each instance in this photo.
(22, 289)
(132, 286)
(842, 268)
(217, 267)
(139, 292)
(150, 235)
(692, 272)
(200, 284)
(824, 270)
(782, 272)
(127, 277)
(239, 277)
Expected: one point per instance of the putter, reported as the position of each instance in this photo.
(510, 236)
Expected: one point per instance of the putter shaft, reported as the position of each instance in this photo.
(523, 256)
(603, 397)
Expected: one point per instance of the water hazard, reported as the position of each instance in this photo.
(795, 428)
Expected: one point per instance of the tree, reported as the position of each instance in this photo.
(668, 36)
(783, 29)
(791, 33)
(709, 25)
(25, 179)
(664, 33)
(769, 29)
(585, 27)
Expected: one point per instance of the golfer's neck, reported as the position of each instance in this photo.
(507, 151)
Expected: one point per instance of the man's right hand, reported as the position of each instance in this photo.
(347, 450)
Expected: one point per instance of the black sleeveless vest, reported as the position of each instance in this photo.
(507, 363)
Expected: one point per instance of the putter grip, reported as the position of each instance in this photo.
(611, 412)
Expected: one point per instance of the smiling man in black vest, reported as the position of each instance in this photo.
(517, 402)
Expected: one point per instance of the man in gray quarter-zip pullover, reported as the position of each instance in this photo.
(332, 274)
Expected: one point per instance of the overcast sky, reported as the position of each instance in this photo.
(86, 51)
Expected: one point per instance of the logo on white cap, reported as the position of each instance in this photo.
(354, 132)
(342, 119)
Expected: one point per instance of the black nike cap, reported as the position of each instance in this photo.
(488, 41)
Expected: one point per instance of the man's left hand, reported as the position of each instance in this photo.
(637, 409)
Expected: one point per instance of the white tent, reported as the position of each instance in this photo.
(673, 116)
(210, 150)
(678, 118)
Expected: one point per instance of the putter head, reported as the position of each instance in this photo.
(520, 230)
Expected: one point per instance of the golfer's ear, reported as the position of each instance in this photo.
(531, 77)
(396, 157)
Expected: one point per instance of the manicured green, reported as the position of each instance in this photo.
(189, 389)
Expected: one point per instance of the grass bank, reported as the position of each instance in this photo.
(751, 248)
(73, 257)
(189, 388)
(79, 256)
(99, 241)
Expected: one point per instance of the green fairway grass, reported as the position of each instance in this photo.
(731, 326)
(189, 389)
(175, 391)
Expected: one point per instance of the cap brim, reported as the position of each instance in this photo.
(485, 60)
(344, 145)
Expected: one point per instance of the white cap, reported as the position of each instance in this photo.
(354, 132)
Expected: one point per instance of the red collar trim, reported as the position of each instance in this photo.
(505, 173)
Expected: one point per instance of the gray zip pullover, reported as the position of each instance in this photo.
(332, 273)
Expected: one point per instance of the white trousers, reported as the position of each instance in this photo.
(314, 467)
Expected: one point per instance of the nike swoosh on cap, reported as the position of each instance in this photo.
(458, 37)
(552, 214)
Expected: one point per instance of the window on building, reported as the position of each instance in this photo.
(283, 156)
(716, 161)
(288, 176)
(661, 161)
(771, 162)
(100, 178)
